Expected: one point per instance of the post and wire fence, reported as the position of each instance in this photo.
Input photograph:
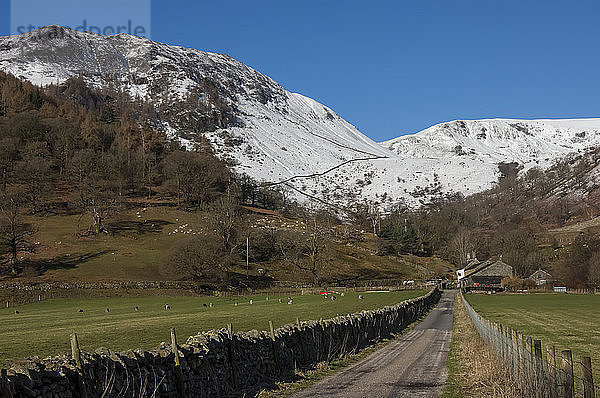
(537, 374)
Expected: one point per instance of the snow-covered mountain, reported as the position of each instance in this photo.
(465, 154)
(501, 140)
(274, 135)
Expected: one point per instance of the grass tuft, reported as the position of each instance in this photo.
(473, 368)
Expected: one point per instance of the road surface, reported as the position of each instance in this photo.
(414, 365)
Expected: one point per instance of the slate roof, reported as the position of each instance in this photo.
(483, 266)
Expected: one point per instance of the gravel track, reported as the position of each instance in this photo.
(414, 365)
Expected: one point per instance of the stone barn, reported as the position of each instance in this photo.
(541, 277)
(486, 276)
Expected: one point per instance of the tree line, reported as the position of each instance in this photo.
(511, 219)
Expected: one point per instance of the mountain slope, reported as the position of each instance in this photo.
(270, 133)
(274, 135)
(465, 154)
(501, 140)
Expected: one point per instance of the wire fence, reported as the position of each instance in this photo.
(537, 374)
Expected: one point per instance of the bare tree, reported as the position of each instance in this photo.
(196, 178)
(225, 219)
(101, 205)
(34, 170)
(8, 157)
(462, 245)
(97, 191)
(368, 213)
(374, 215)
(201, 259)
(15, 234)
(594, 270)
(306, 251)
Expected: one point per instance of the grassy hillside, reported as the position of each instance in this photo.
(141, 238)
(133, 253)
(124, 328)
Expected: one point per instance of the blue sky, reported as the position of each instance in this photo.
(396, 67)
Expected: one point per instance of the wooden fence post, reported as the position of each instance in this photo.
(528, 358)
(588, 379)
(538, 364)
(76, 353)
(178, 371)
(505, 345)
(567, 367)
(231, 352)
(521, 359)
(499, 335)
(515, 353)
(274, 347)
(551, 353)
(537, 349)
(509, 350)
(271, 330)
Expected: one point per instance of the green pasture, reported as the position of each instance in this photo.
(43, 328)
(568, 321)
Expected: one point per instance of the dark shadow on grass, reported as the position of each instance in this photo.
(64, 261)
(233, 282)
(239, 281)
(138, 227)
(367, 275)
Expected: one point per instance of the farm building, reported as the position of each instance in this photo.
(541, 277)
(469, 265)
(486, 276)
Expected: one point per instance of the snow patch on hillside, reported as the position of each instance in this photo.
(281, 135)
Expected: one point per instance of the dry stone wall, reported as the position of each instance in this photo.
(215, 363)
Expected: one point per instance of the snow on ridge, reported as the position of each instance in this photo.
(517, 140)
(285, 134)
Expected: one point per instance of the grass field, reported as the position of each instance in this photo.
(43, 328)
(566, 321)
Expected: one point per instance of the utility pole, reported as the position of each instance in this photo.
(247, 254)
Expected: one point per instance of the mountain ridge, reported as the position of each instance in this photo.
(277, 136)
